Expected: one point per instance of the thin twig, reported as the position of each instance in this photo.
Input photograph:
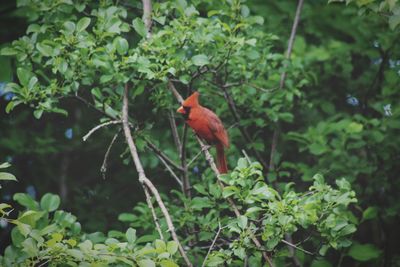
(161, 154)
(283, 77)
(212, 244)
(180, 146)
(153, 213)
(185, 174)
(98, 127)
(170, 170)
(174, 130)
(103, 168)
(87, 103)
(275, 136)
(178, 96)
(196, 156)
(243, 130)
(146, 183)
(296, 247)
(291, 39)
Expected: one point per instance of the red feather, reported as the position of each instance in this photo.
(207, 126)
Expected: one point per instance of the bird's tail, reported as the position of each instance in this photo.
(221, 159)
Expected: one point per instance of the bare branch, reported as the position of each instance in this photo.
(296, 247)
(103, 168)
(153, 213)
(275, 136)
(170, 170)
(98, 127)
(161, 154)
(245, 134)
(146, 183)
(213, 243)
(174, 130)
(291, 39)
(283, 76)
(171, 87)
(185, 175)
(182, 154)
(147, 16)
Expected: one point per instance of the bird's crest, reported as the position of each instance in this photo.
(192, 100)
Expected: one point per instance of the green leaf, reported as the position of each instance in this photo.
(394, 21)
(26, 201)
(121, 44)
(242, 221)
(104, 79)
(131, 235)
(139, 27)
(82, 24)
(7, 176)
(69, 26)
(29, 246)
(244, 10)
(146, 263)
(168, 263)
(24, 228)
(323, 250)
(160, 245)
(45, 50)
(354, 127)
(8, 51)
(172, 247)
(126, 217)
(370, 213)
(200, 60)
(10, 106)
(32, 82)
(24, 76)
(50, 202)
(364, 252)
(160, 20)
(38, 113)
(321, 263)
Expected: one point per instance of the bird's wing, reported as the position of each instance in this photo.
(217, 128)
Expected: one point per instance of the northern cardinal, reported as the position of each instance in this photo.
(207, 126)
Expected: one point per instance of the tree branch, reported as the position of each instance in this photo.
(147, 16)
(296, 247)
(98, 127)
(153, 213)
(182, 144)
(185, 175)
(245, 134)
(103, 168)
(275, 136)
(283, 77)
(146, 183)
(162, 155)
(213, 243)
(171, 87)
(291, 39)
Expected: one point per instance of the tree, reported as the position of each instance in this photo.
(109, 58)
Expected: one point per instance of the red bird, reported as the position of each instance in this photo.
(207, 126)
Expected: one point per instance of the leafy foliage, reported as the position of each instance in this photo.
(45, 234)
(336, 115)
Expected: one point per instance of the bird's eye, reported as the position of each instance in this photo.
(187, 112)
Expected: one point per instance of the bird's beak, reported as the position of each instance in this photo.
(181, 110)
